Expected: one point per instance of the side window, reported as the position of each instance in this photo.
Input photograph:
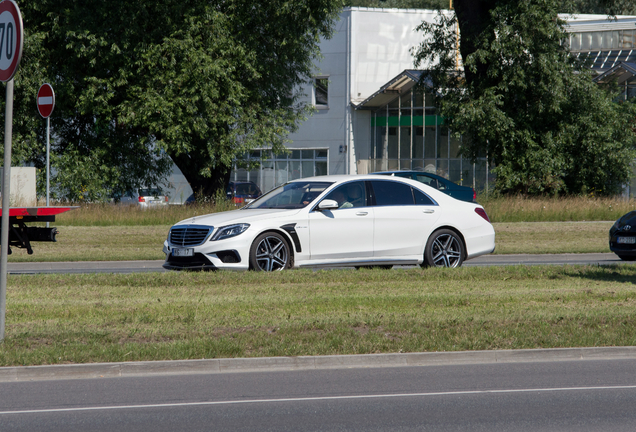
(349, 195)
(421, 198)
(428, 181)
(321, 93)
(391, 193)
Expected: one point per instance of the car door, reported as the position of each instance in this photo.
(404, 217)
(345, 233)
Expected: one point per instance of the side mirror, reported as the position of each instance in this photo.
(328, 205)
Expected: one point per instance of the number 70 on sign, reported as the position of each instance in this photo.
(11, 39)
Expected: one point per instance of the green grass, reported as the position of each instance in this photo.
(103, 318)
(522, 209)
(133, 215)
(145, 242)
(506, 209)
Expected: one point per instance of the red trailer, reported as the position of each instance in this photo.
(21, 235)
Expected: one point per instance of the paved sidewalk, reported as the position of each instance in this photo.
(228, 365)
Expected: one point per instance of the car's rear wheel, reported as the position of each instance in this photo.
(270, 252)
(444, 249)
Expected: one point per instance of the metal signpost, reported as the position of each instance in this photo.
(46, 103)
(11, 41)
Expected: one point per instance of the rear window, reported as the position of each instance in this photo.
(150, 192)
(421, 198)
(432, 182)
(246, 189)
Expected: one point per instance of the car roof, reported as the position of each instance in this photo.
(430, 174)
(344, 178)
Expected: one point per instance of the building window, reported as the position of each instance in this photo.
(408, 134)
(274, 170)
(321, 92)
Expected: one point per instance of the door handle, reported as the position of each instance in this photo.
(362, 213)
(428, 211)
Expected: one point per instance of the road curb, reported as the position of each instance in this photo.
(229, 365)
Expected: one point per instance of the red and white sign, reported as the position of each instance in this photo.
(11, 39)
(46, 100)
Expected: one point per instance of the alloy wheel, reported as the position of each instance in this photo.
(272, 254)
(446, 251)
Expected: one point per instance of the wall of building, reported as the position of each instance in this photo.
(369, 47)
(22, 186)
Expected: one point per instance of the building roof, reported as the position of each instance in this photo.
(402, 83)
(619, 73)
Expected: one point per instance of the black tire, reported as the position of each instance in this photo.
(270, 252)
(444, 248)
(627, 257)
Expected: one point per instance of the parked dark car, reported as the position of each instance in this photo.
(243, 192)
(622, 237)
(463, 193)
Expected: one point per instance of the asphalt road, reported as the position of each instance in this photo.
(155, 265)
(547, 395)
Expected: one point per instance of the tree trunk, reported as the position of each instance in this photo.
(474, 18)
(202, 186)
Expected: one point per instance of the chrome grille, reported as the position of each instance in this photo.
(188, 235)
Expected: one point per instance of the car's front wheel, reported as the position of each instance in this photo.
(627, 257)
(270, 252)
(444, 249)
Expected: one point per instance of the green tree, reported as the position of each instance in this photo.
(525, 102)
(138, 81)
(401, 4)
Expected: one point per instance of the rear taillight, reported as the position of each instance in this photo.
(166, 199)
(474, 195)
(481, 212)
(238, 200)
(141, 199)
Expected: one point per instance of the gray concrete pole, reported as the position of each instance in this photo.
(48, 152)
(6, 188)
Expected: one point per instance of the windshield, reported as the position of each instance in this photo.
(293, 195)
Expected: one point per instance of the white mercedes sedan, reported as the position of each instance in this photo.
(351, 221)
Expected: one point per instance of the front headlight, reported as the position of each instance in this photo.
(229, 231)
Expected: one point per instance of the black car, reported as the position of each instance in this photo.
(463, 193)
(622, 237)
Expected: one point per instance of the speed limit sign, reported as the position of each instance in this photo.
(11, 39)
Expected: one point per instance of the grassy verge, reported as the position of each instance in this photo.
(113, 243)
(521, 209)
(552, 237)
(507, 209)
(105, 318)
(133, 215)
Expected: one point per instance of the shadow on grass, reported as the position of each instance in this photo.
(620, 273)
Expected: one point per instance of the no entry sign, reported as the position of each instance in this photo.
(11, 40)
(46, 100)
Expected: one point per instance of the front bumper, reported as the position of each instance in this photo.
(623, 249)
(230, 254)
(194, 263)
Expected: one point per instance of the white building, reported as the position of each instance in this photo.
(368, 118)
